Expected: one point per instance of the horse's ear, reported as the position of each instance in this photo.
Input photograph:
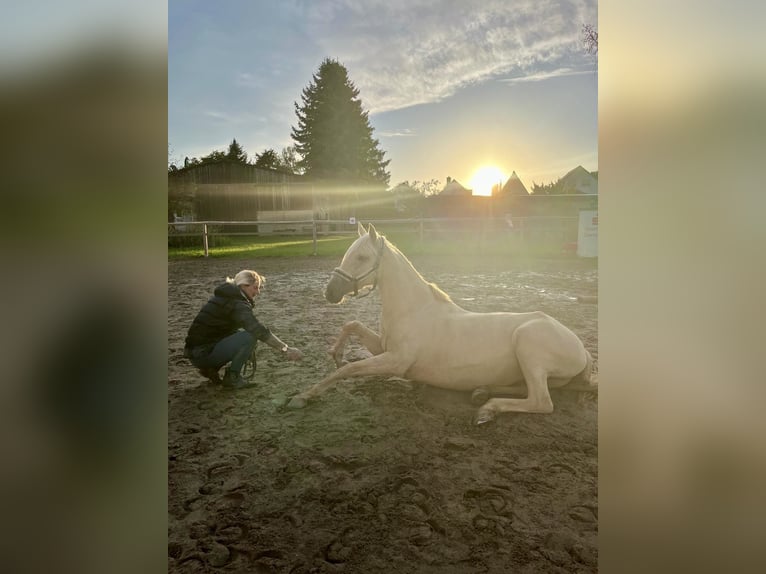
(373, 233)
(360, 228)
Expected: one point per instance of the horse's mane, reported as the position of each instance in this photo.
(439, 295)
(436, 291)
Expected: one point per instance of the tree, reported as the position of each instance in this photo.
(590, 39)
(426, 188)
(407, 199)
(172, 160)
(236, 152)
(268, 159)
(288, 158)
(213, 157)
(552, 188)
(334, 136)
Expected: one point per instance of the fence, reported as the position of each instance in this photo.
(561, 229)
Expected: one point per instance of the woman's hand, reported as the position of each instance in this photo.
(294, 354)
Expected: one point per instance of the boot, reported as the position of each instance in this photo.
(211, 374)
(233, 380)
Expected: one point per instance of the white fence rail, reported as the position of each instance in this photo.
(319, 227)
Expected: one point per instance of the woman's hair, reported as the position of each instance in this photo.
(247, 277)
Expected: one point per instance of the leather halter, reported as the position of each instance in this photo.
(355, 280)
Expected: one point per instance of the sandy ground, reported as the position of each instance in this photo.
(376, 475)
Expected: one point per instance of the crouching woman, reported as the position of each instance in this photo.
(226, 331)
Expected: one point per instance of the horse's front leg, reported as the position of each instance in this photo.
(381, 364)
(367, 337)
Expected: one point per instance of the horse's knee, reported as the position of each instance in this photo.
(351, 326)
(480, 396)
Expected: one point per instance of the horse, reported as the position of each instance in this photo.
(426, 337)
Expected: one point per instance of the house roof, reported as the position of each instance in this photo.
(579, 180)
(514, 186)
(453, 187)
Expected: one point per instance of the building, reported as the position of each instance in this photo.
(513, 186)
(232, 191)
(579, 180)
(455, 189)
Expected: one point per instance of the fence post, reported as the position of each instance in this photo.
(314, 233)
(204, 238)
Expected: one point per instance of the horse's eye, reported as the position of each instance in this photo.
(363, 258)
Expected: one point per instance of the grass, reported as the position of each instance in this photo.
(466, 244)
(239, 247)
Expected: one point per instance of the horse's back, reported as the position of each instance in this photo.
(463, 350)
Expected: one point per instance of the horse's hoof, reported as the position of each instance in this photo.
(336, 357)
(483, 417)
(479, 396)
(296, 403)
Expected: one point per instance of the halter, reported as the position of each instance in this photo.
(355, 280)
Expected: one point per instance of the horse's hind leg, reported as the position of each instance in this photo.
(585, 381)
(481, 395)
(367, 337)
(538, 398)
(535, 355)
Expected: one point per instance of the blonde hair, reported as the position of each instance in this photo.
(247, 277)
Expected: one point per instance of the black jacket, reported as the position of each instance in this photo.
(227, 311)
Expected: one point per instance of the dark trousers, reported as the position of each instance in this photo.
(236, 348)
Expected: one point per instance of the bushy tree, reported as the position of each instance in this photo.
(288, 158)
(334, 136)
(268, 159)
(590, 39)
(552, 188)
(214, 156)
(427, 188)
(172, 160)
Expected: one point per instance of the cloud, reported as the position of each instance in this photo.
(216, 115)
(546, 75)
(244, 118)
(248, 80)
(397, 134)
(402, 53)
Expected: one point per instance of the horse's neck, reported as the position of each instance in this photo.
(401, 285)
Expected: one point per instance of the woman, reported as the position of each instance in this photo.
(226, 331)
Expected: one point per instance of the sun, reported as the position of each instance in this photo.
(485, 178)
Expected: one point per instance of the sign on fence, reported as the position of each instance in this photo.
(587, 234)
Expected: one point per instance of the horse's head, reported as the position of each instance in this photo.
(359, 266)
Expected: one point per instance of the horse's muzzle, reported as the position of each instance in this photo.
(336, 288)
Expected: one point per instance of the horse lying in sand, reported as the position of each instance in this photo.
(426, 337)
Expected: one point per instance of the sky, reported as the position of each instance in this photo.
(450, 86)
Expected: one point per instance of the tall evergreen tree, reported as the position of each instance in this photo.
(236, 152)
(334, 136)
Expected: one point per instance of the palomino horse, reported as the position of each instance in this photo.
(426, 337)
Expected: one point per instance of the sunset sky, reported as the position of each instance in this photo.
(450, 86)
